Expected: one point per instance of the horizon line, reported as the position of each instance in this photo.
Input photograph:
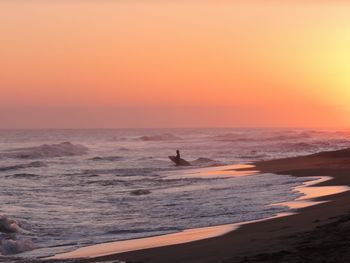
(177, 128)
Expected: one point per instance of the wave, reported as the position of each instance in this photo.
(46, 151)
(301, 146)
(125, 172)
(23, 175)
(10, 246)
(22, 166)
(280, 136)
(160, 137)
(117, 139)
(144, 186)
(254, 156)
(231, 137)
(8, 225)
(106, 158)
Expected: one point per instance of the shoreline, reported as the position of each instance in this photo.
(239, 243)
(308, 189)
(181, 237)
(287, 238)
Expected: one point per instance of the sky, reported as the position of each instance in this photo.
(199, 63)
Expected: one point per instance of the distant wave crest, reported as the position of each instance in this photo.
(160, 137)
(239, 137)
(46, 151)
(231, 137)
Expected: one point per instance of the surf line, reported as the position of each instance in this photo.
(307, 189)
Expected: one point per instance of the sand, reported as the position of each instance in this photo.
(319, 233)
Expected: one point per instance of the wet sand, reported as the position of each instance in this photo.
(319, 233)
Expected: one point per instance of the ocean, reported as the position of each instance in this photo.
(63, 189)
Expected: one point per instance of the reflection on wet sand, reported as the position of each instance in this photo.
(149, 242)
(311, 192)
(222, 171)
(182, 237)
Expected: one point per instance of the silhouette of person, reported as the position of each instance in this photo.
(178, 158)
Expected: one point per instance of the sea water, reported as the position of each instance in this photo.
(63, 189)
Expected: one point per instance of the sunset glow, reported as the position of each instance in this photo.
(88, 64)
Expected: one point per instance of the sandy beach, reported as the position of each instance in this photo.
(315, 234)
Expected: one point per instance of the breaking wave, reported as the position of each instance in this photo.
(46, 151)
(8, 225)
(9, 244)
(301, 146)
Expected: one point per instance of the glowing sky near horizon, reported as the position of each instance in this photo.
(93, 64)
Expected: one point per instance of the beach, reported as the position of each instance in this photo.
(174, 131)
(114, 193)
(314, 234)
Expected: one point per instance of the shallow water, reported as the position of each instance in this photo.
(123, 186)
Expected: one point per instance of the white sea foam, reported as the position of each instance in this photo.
(206, 162)
(10, 247)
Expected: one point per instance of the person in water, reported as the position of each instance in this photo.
(178, 158)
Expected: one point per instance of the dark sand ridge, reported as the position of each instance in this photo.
(316, 234)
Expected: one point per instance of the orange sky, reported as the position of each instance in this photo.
(86, 64)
